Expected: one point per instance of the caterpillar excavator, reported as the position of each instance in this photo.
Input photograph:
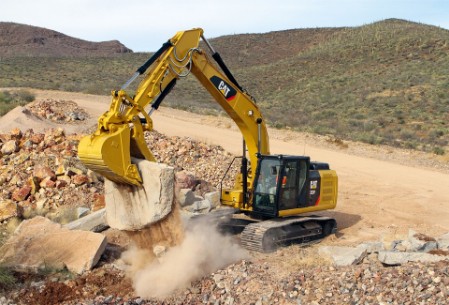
(270, 192)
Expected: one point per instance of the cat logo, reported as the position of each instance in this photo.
(227, 90)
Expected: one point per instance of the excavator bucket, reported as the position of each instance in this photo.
(108, 153)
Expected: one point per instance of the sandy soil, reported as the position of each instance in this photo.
(382, 191)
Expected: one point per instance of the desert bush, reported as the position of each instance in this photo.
(7, 278)
(12, 99)
(439, 151)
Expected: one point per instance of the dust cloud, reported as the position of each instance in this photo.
(202, 251)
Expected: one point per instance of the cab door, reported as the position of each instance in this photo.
(293, 187)
(266, 187)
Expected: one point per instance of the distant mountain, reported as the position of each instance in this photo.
(20, 40)
(383, 83)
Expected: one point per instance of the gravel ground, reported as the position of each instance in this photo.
(263, 279)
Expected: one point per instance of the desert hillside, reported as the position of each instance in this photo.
(20, 40)
(380, 83)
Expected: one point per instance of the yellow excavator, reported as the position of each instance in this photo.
(270, 191)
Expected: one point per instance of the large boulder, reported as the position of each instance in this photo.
(133, 208)
(344, 256)
(39, 243)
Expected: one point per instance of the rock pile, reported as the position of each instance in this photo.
(58, 110)
(40, 173)
(207, 162)
(417, 248)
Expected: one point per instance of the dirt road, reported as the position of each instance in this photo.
(378, 200)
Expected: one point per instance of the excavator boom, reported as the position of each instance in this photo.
(120, 132)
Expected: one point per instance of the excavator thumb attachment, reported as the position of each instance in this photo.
(108, 153)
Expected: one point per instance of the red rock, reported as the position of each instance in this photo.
(37, 138)
(43, 172)
(80, 179)
(47, 183)
(33, 182)
(61, 183)
(21, 193)
(16, 133)
(98, 202)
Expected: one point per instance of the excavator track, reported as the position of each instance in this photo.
(267, 236)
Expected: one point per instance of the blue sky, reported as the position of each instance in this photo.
(144, 25)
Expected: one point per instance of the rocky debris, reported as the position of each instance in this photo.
(198, 165)
(39, 243)
(58, 111)
(273, 279)
(43, 174)
(133, 208)
(186, 197)
(417, 248)
(9, 147)
(269, 279)
(399, 258)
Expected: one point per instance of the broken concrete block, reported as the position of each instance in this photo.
(201, 206)
(373, 247)
(344, 256)
(443, 241)
(82, 211)
(133, 208)
(95, 222)
(214, 198)
(400, 246)
(420, 242)
(40, 243)
(399, 258)
(187, 197)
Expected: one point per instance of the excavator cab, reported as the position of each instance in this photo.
(285, 185)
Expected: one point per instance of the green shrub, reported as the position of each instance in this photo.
(7, 278)
(10, 100)
(438, 151)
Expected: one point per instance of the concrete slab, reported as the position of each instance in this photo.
(39, 243)
(95, 222)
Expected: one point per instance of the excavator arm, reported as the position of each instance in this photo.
(120, 132)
